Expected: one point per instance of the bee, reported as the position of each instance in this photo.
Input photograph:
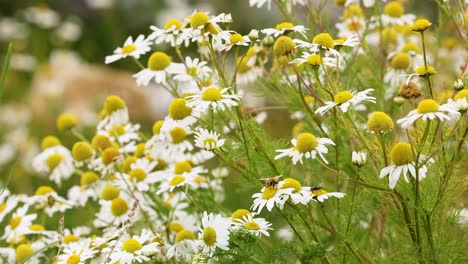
(316, 187)
(271, 182)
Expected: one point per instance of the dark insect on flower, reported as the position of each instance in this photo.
(50, 201)
(316, 187)
(271, 181)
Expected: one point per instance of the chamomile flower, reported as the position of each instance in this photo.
(460, 100)
(175, 181)
(359, 158)
(173, 33)
(184, 247)
(306, 145)
(208, 140)
(400, 63)
(325, 42)
(114, 112)
(140, 175)
(351, 26)
(8, 202)
(270, 196)
(46, 198)
(429, 109)
(214, 232)
(135, 49)
(160, 67)
(175, 138)
(214, 98)
(133, 249)
(122, 134)
(394, 14)
(19, 224)
(55, 161)
(345, 99)
(235, 39)
(114, 211)
(320, 195)
(403, 159)
(76, 253)
(196, 69)
(315, 59)
(255, 226)
(297, 191)
(284, 28)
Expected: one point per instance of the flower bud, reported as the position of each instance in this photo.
(359, 158)
(253, 35)
(458, 85)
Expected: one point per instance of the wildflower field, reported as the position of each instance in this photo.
(243, 131)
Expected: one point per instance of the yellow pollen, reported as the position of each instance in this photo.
(291, 183)
(236, 38)
(70, 238)
(158, 61)
(306, 142)
(100, 142)
(284, 46)
(43, 190)
(314, 60)
(209, 141)
(251, 226)
(199, 19)
(128, 49)
(15, 221)
(178, 135)
(73, 259)
(184, 235)
(402, 154)
(137, 175)
(427, 106)
(23, 252)
(131, 245)
(109, 193)
(53, 160)
(211, 94)
(119, 206)
(178, 109)
(401, 61)
(209, 236)
(88, 178)
(50, 141)
(269, 192)
(82, 151)
(109, 155)
(182, 166)
(36, 227)
(379, 122)
(324, 39)
(173, 23)
(394, 9)
(284, 25)
(178, 179)
(343, 97)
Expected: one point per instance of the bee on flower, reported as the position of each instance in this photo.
(135, 49)
(46, 198)
(318, 194)
(269, 197)
(306, 146)
(345, 99)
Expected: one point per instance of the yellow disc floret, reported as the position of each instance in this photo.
(461, 94)
(49, 141)
(184, 235)
(157, 127)
(379, 122)
(158, 61)
(53, 160)
(401, 61)
(240, 213)
(251, 226)
(88, 178)
(109, 193)
(137, 175)
(306, 142)
(182, 166)
(70, 238)
(82, 151)
(131, 245)
(291, 183)
(284, 25)
(178, 134)
(127, 49)
(178, 109)
(43, 190)
(422, 70)
(209, 236)
(284, 46)
(23, 252)
(236, 38)
(101, 142)
(427, 106)
(342, 97)
(324, 39)
(173, 23)
(421, 25)
(176, 180)
(199, 19)
(66, 121)
(394, 9)
(73, 259)
(119, 206)
(109, 155)
(113, 103)
(314, 60)
(269, 192)
(211, 94)
(402, 154)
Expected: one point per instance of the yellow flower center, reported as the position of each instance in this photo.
(88, 178)
(343, 97)
(117, 130)
(421, 25)
(401, 61)
(199, 19)
(175, 227)
(178, 109)
(251, 226)
(192, 71)
(410, 46)
(314, 59)
(73, 259)
(101, 142)
(176, 180)
(402, 154)
(119, 206)
(82, 151)
(109, 155)
(158, 61)
(3, 207)
(113, 103)
(127, 163)
(36, 227)
(240, 213)
(15, 221)
(269, 192)
(109, 192)
(461, 94)
(284, 46)
(291, 183)
(306, 142)
(177, 24)
(66, 121)
(211, 94)
(184, 235)
(49, 141)
(318, 192)
(70, 238)
(421, 70)
(379, 122)
(324, 39)
(182, 166)
(23, 252)
(352, 11)
(236, 38)
(43, 190)
(53, 160)
(137, 174)
(178, 135)
(394, 9)
(157, 127)
(209, 236)
(389, 36)
(354, 25)
(427, 106)
(128, 49)
(284, 25)
(131, 245)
